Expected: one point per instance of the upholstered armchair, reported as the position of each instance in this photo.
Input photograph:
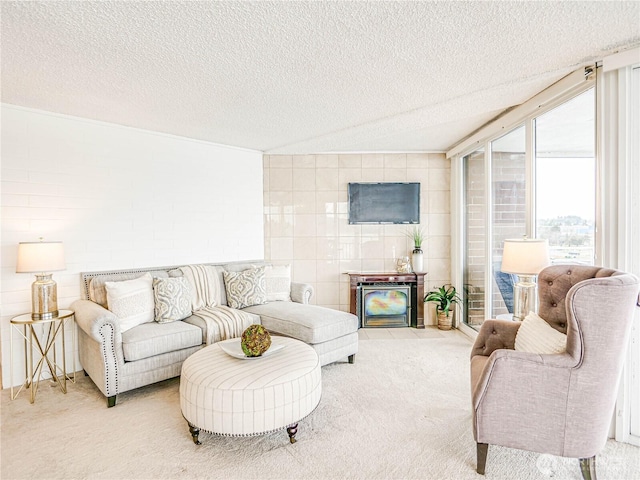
(559, 404)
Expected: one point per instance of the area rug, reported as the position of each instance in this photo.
(402, 411)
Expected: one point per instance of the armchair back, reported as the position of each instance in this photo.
(597, 314)
(554, 284)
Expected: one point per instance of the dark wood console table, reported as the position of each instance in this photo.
(417, 279)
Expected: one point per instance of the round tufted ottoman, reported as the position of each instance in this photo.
(224, 395)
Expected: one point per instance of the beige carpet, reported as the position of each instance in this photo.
(401, 412)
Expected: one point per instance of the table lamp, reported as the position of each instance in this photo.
(40, 257)
(525, 258)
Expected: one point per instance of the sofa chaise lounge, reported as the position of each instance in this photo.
(118, 361)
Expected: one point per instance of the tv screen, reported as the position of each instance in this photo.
(384, 203)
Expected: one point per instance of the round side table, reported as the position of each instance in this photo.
(43, 342)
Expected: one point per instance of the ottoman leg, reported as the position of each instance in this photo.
(195, 431)
(292, 430)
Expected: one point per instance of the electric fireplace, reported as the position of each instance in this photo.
(385, 305)
(387, 299)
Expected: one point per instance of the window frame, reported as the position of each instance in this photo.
(562, 91)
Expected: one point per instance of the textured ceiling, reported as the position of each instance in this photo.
(301, 77)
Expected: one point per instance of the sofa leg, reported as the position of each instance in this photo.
(588, 468)
(85, 373)
(111, 401)
(481, 450)
(352, 358)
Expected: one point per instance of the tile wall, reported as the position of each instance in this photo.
(306, 219)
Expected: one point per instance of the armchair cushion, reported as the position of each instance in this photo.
(537, 336)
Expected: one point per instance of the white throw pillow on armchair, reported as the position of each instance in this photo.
(537, 336)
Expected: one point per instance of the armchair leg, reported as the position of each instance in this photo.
(352, 358)
(481, 450)
(588, 468)
(111, 401)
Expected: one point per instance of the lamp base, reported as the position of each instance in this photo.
(525, 297)
(44, 297)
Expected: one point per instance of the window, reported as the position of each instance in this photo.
(565, 166)
(539, 180)
(508, 212)
(475, 251)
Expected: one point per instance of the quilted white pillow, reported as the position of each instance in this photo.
(278, 283)
(537, 336)
(131, 301)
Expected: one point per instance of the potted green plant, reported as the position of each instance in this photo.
(417, 235)
(445, 298)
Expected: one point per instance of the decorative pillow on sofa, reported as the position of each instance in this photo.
(172, 298)
(245, 288)
(98, 292)
(537, 336)
(278, 283)
(131, 301)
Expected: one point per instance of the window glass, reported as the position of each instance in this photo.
(475, 238)
(563, 182)
(565, 169)
(508, 196)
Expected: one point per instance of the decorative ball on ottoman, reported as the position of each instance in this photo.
(255, 340)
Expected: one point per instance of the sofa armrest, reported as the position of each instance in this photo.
(301, 292)
(99, 345)
(91, 317)
(495, 335)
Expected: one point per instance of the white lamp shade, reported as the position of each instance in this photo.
(525, 256)
(40, 257)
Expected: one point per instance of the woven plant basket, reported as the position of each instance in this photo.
(445, 322)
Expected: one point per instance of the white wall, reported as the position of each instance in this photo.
(118, 198)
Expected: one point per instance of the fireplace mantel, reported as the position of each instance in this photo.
(417, 279)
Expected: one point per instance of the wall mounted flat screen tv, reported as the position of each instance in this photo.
(386, 202)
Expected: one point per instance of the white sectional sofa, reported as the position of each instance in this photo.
(118, 361)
